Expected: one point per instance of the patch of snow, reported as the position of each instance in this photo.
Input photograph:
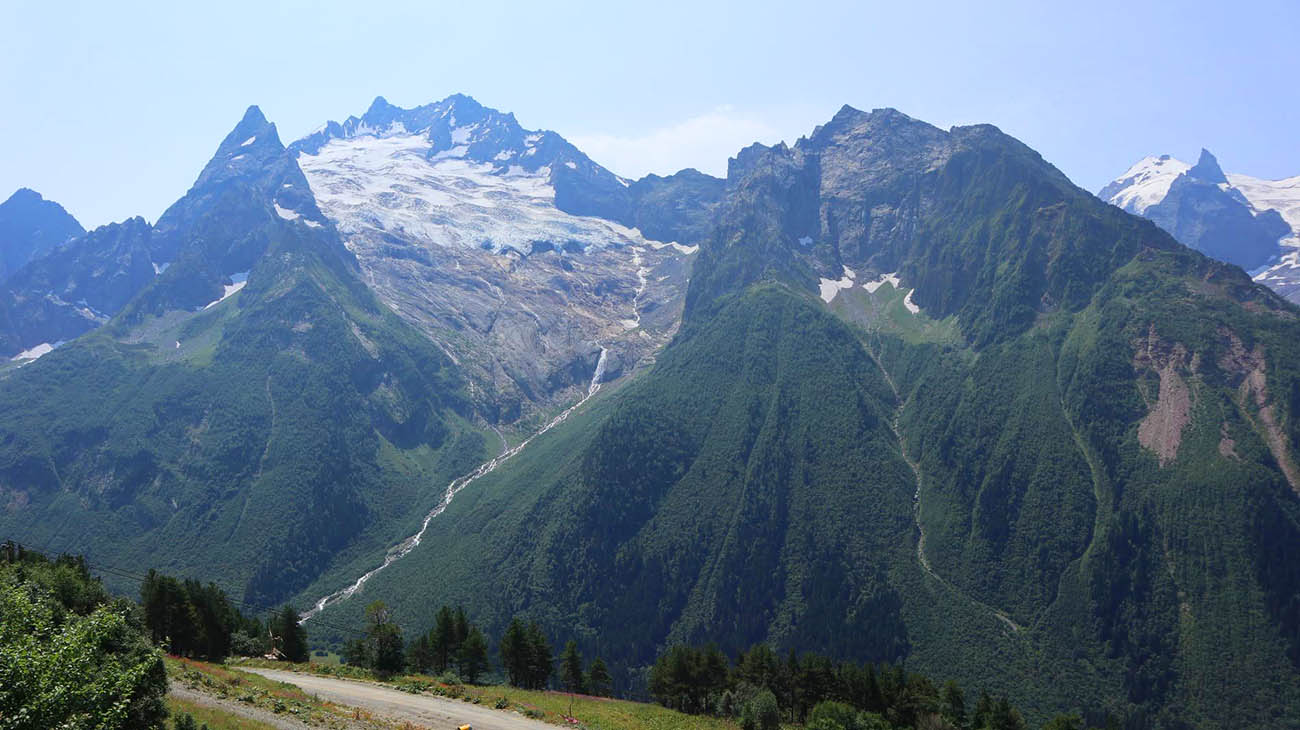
(159, 268)
(34, 353)
(657, 245)
(178, 344)
(237, 282)
(457, 152)
(911, 306)
(236, 158)
(1147, 182)
(460, 135)
(571, 165)
(285, 213)
(248, 141)
(503, 155)
(890, 278)
(372, 186)
(805, 241)
(830, 287)
(1280, 195)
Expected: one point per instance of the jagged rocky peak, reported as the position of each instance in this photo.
(30, 226)
(457, 127)
(1207, 169)
(246, 150)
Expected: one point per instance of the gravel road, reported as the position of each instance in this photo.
(433, 712)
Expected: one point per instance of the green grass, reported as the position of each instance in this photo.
(229, 682)
(214, 718)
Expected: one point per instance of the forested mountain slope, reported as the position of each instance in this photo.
(252, 415)
(929, 401)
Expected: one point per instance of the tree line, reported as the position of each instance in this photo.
(457, 650)
(761, 689)
(188, 618)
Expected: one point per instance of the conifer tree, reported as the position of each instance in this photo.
(599, 682)
(571, 668)
(514, 653)
(473, 656)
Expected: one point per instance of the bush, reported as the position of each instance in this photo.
(761, 712)
(59, 668)
(830, 715)
(185, 721)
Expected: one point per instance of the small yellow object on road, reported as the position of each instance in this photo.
(465, 727)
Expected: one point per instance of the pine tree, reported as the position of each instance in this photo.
(983, 717)
(385, 639)
(286, 625)
(460, 629)
(514, 653)
(599, 682)
(443, 639)
(540, 662)
(952, 705)
(571, 668)
(419, 655)
(473, 659)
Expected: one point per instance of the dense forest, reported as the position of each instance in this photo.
(70, 652)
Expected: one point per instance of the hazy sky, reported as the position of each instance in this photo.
(113, 108)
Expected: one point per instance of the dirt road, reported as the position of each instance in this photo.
(426, 710)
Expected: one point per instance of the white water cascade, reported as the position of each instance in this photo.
(404, 548)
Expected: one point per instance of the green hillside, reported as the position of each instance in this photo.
(254, 441)
(1100, 420)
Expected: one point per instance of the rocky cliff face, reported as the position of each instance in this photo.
(508, 247)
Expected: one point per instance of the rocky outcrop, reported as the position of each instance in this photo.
(1169, 411)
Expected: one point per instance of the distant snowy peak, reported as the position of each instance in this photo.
(399, 185)
(1144, 184)
(1237, 218)
(458, 127)
(456, 173)
(245, 151)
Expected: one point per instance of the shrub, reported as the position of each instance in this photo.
(761, 712)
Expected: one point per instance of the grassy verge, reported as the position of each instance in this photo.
(227, 682)
(559, 708)
(212, 717)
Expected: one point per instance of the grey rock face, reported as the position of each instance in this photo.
(467, 228)
(30, 226)
(76, 288)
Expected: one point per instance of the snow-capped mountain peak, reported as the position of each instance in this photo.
(1252, 222)
(457, 173)
(1144, 184)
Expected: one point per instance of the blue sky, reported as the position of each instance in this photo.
(113, 108)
